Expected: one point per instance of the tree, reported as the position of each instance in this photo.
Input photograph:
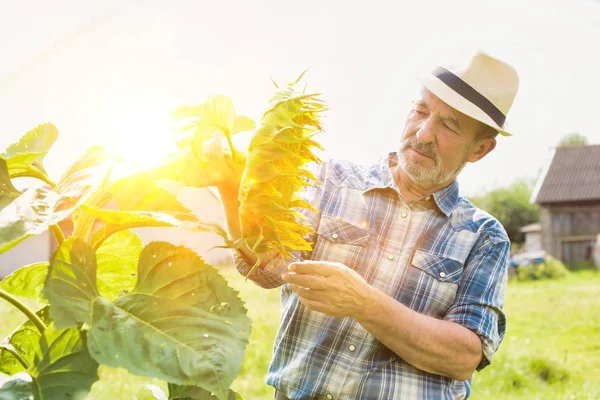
(573, 139)
(510, 205)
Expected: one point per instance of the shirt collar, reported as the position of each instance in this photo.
(380, 177)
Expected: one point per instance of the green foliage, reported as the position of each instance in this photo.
(61, 368)
(579, 265)
(160, 311)
(27, 282)
(197, 127)
(24, 158)
(71, 283)
(180, 322)
(548, 371)
(177, 392)
(36, 209)
(549, 269)
(510, 205)
(23, 340)
(7, 191)
(15, 387)
(192, 338)
(573, 140)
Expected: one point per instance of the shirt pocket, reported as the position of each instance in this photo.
(431, 283)
(341, 241)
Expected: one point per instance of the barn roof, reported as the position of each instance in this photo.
(573, 175)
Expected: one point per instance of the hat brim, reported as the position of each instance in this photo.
(456, 101)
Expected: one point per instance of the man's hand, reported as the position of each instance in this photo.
(329, 287)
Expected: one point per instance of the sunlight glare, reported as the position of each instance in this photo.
(139, 134)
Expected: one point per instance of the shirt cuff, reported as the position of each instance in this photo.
(489, 323)
(268, 277)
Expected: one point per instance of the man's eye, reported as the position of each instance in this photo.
(450, 128)
(419, 111)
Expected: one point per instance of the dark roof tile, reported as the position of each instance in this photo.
(573, 175)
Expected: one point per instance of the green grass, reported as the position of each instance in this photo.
(551, 349)
(552, 344)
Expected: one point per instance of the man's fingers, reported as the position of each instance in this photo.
(314, 305)
(322, 268)
(310, 281)
(305, 292)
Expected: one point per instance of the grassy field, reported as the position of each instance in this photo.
(551, 349)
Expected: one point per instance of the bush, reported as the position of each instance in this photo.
(580, 265)
(549, 269)
(548, 371)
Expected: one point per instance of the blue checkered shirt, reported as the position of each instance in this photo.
(440, 256)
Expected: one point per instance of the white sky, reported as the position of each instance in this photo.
(116, 82)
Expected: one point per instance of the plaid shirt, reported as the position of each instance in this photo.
(440, 256)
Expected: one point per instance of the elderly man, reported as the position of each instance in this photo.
(402, 295)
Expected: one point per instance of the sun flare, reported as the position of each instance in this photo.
(139, 134)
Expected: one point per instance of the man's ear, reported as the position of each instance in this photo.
(481, 148)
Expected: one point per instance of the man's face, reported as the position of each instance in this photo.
(437, 141)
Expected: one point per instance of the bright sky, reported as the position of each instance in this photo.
(115, 82)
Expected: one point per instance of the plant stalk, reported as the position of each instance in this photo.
(11, 349)
(40, 176)
(39, 324)
(58, 233)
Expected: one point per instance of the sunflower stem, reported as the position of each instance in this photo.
(58, 233)
(11, 349)
(23, 308)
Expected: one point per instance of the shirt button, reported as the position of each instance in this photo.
(404, 215)
(427, 198)
(442, 274)
(334, 236)
(390, 257)
(352, 347)
(329, 396)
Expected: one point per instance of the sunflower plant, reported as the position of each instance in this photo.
(157, 310)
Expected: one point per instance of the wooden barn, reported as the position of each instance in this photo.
(569, 197)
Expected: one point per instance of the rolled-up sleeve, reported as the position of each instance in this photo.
(270, 276)
(480, 296)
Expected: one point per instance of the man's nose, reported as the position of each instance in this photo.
(426, 132)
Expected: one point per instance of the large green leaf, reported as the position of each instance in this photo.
(156, 337)
(7, 191)
(24, 340)
(16, 387)
(80, 181)
(71, 283)
(24, 158)
(184, 392)
(27, 281)
(181, 323)
(116, 220)
(177, 273)
(117, 260)
(217, 113)
(37, 208)
(140, 193)
(142, 203)
(62, 368)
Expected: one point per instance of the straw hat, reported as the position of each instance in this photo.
(482, 87)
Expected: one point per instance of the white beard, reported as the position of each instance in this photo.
(428, 176)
